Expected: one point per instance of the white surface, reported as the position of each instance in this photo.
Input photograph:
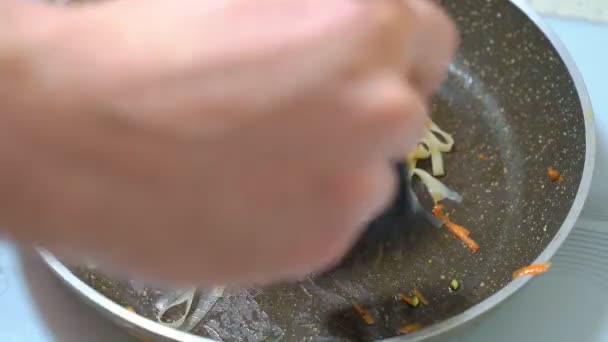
(584, 9)
(568, 304)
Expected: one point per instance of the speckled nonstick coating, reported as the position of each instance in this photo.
(509, 98)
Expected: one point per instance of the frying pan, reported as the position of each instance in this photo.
(515, 105)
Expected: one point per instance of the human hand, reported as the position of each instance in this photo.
(225, 141)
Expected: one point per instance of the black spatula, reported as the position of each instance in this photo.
(412, 206)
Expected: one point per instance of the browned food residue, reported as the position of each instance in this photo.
(532, 270)
(364, 314)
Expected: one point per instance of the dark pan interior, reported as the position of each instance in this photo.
(509, 98)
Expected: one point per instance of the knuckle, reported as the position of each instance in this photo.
(389, 13)
(435, 42)
(394, 105)
(386, 27)
(389, 117)
(390, 106)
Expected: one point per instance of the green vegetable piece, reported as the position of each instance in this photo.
(415, 301)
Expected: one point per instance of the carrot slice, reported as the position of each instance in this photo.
(407, 300)
(532, 270)
(461, 232)
(364, 314)
(409, 328)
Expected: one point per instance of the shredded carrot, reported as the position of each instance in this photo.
(364, 314)
(406, 299)
(461, 232)
(409, 328)
(532, 270)
(420, 296)
(482, 157)
(554, 174)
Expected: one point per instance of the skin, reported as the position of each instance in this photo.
(210, 141)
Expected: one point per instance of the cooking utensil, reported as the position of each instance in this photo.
(385, 235)
(515, 105)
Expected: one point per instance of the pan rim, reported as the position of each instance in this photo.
(132, 319)
(575, 210)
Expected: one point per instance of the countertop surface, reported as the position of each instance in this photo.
(568, 304)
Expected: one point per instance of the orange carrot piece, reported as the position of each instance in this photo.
(364, 314)
(471, 244)
(409, 328)
(438, 212)
(532, 270)
(458, 229)
(461, 232)
(553, 174)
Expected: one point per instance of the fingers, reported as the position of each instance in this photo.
(385, 118)
(412, 36)
(392, 115)
(433, 44)
(392, 25)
